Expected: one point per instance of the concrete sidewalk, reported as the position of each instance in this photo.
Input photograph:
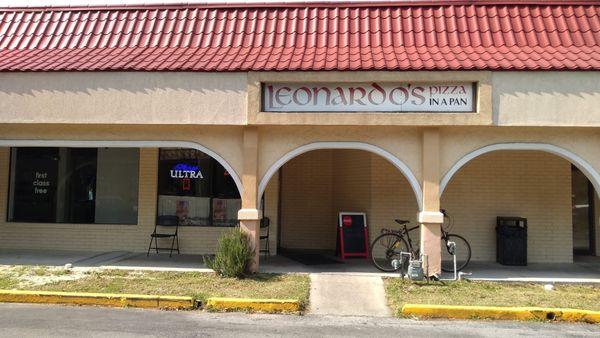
(583, 270)
(347, 295)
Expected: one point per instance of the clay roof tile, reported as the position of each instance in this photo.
(310, 37)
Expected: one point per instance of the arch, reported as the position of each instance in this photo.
(404, 169)
(127, 144)
(568, 155)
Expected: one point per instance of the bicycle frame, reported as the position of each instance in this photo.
(402, 234)
(405, 233)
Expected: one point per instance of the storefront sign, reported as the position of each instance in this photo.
(41, 183)
(368, 97)
(353, 234)
(182, 170)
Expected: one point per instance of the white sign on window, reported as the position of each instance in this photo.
(368, 97)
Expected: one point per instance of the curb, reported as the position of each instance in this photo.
(496, 312)
(103, 299)
(261, 305)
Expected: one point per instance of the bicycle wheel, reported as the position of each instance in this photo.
(463, 253)
(385, 252)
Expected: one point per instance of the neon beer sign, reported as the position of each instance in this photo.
(183, 170)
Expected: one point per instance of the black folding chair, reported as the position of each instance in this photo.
(165, 222)
(264, 234)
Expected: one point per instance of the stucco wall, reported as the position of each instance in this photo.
(546, 98)
(518, 98)
(123, 97)
(457, 142)
(402, 142)
(224, 141)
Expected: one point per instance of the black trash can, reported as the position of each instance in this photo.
(511, 240)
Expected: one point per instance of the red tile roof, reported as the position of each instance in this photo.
(420, 35)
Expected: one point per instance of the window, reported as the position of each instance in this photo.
(196, 188)
(74, 185)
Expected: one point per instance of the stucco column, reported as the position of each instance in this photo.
(249, 216)
(430, 217)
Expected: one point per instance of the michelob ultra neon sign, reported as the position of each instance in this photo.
(183, 170)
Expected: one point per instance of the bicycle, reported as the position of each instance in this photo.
(386, 249)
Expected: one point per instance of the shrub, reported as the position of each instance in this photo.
(234, 255)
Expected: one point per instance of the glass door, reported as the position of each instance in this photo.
(583, 213)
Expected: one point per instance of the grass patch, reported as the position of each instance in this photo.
(28, 276)
(7, 282)
(199, 285)
(575, 296)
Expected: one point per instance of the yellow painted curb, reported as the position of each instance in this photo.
(103, 299)
(496, 312)
(259, 305)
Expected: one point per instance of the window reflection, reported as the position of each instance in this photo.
(74, 185)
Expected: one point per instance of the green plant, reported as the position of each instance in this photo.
(234, 255)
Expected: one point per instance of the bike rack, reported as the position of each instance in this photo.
(452, 251)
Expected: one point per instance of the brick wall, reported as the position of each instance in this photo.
(319, 184)
(351, 182)
(534, 185)
(392, 198)
(101, 237)
(358, 181)
(307, 205)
